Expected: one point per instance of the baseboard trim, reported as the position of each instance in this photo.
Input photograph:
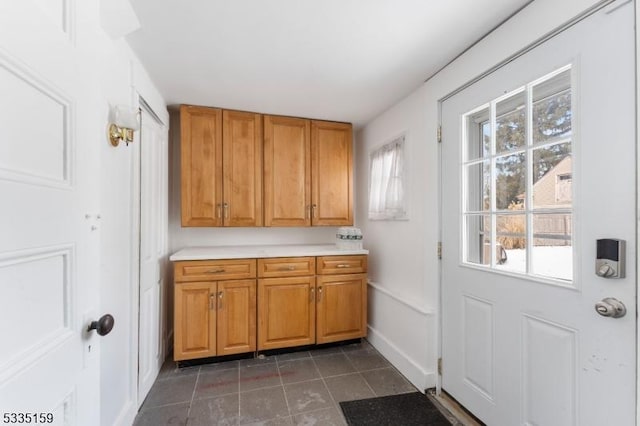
(127, 415)
(418, 376)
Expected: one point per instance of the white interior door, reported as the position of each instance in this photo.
(538, 162)
(153, 248)
(49, 227)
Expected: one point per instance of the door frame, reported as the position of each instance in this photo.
(578, 18)
(138, 103)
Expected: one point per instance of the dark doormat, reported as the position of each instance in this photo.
(406, 409)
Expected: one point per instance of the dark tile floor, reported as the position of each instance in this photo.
(298, 388)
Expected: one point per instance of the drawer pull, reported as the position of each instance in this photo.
(319, 294)
(343, 265)
(215, 271)
(212, 301)
(312, 294)
(287, 268)
(220, 294)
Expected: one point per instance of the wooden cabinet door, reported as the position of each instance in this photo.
(332, 173)
(286, 312)
(194, 320)
(242, 165)
(236, 304)
(342, 307)
(287, 171)
(201, 166)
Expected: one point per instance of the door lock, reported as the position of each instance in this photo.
(611, 307)
(610, 258)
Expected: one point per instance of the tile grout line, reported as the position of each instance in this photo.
(193, 394)
(336, 405)
(239, 395)
(284, 391)
(360, 373)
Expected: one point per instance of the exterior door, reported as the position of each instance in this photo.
(49, 222)
(538, 162)
(153, 147)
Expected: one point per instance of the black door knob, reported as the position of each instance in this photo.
(103, 326)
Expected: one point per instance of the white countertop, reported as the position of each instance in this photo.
(247, 252)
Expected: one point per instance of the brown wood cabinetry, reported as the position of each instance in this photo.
(341, 307)
(287, 171)
(209, 270)
(201, 166)
(243, 169)
(221, 167)
(331, 176)
(308, 172)
(214, 317)
(286, 312)
(194, 321)
(236, 328)
(295, 311)
(220, 308)
(342, 264)
(286, 266)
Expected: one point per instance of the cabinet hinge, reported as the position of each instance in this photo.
(439, 249)
(439, 134)
(440, 366)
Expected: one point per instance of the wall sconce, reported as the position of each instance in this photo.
(125, 122)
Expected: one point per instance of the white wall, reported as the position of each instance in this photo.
(404, 297)
(120, 78)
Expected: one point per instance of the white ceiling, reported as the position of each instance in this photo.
(343, 60)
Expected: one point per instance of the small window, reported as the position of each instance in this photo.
(386, 182)
(563, 188)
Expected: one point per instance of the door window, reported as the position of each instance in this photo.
(517, 179)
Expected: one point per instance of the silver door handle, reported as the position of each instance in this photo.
(611, 307)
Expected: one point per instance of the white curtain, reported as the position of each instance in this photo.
(386, 192)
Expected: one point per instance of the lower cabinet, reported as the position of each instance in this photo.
(286, 312)
(296, 301)
(341, 307)
(214, 318)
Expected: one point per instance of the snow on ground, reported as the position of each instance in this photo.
(548, 261)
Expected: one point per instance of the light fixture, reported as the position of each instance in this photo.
(125, 122)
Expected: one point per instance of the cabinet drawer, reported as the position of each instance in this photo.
(213, 270)
(342, 264)
(286, 267)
